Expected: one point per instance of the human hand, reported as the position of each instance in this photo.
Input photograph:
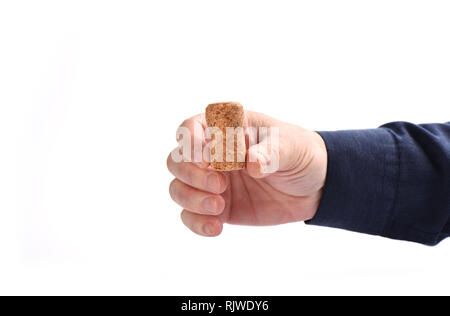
(250, 196)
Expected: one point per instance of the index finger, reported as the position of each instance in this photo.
(204, 179)
(192, 142)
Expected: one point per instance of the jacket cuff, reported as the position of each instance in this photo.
(362, 179)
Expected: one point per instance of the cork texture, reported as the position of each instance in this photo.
(223, 115)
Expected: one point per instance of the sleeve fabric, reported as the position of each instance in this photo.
(393, 181)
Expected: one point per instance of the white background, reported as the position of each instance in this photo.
(91, 93)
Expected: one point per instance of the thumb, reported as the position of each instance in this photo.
(272, 146)
(263, 158)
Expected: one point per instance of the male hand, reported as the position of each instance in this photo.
(250, 196)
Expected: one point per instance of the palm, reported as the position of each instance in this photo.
(265, 201)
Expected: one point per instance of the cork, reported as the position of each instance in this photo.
(223, 115)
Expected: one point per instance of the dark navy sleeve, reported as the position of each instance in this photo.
(393, 181)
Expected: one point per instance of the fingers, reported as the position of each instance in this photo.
(197, 188)
(200, 178)
(195, 200)
(203, 225)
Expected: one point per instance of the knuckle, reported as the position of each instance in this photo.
(172, 188)
(186, 123)
(190, 176)
(168, 161)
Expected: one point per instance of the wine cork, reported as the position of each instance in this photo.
(223, 115)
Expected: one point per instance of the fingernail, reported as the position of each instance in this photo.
(208, 229)
(264, 158)
(264, 162)
(199, 164)
(213, 183)
(210, 205)
(260, 159)
(207, 156)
